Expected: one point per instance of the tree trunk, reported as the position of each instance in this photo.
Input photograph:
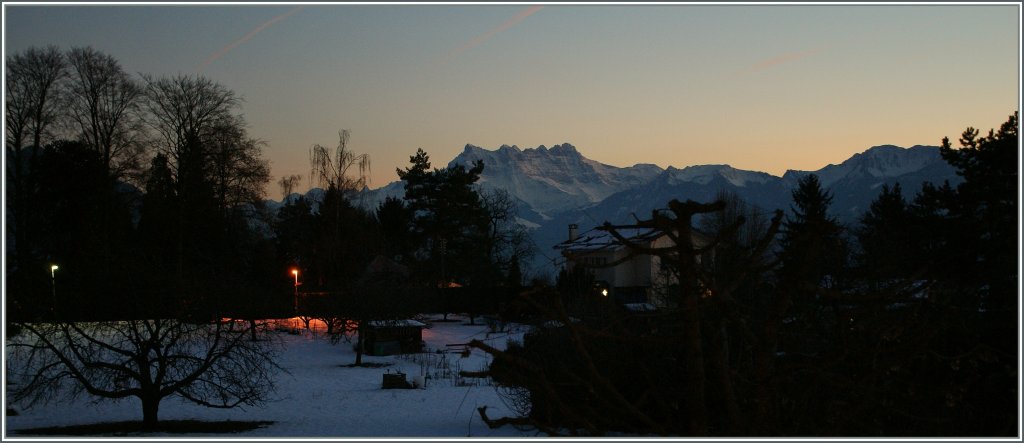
(693, 348)
(150, 408)
(693, 366)
(359, 344)
(727, 415)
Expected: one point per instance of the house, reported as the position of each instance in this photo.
(640, 280)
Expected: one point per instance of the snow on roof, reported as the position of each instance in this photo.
(640, 307)
(396, 323)
(598, 240)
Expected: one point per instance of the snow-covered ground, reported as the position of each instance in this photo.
(323, 398)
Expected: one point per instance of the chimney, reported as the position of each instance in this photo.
(572, 232)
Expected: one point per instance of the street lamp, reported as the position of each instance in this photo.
(295, 272)
(53, 283)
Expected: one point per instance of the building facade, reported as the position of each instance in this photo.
(628, 277)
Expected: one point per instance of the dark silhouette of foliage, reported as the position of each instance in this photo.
(449, 220)
(668, 372)
(884, 236)
(396, 220)
(32, 106)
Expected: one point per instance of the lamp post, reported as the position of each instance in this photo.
(295, 272)
(53, 283)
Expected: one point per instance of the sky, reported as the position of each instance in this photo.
(766, 87)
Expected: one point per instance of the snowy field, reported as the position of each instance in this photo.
(323, 398)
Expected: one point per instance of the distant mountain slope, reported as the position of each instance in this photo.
(854, 183)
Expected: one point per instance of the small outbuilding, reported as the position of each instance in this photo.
(390, 337)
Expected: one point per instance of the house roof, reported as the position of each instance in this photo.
(396, 323)
(596, 240)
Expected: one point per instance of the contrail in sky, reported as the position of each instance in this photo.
(480, 39)
(785, 58)
(217, 55)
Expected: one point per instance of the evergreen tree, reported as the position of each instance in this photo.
(812, 259)
(450, 221)
(989, 206)
(395, 220)
(811, 244)
(885, 237)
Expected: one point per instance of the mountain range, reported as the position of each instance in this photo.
(558, 186)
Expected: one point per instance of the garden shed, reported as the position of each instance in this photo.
(389, 337)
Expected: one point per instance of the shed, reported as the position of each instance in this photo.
(389, 337)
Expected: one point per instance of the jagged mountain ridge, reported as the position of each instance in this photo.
(552, 179)
(557, 186)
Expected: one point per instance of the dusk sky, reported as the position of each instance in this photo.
(765, 87)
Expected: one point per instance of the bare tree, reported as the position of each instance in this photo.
(103, 103)
(334, 172)
(33, 87)
(214, 165)
(507, 239)
(33, 84)
(288, 184)
(212, 365)
(236, 168)
(182, 110)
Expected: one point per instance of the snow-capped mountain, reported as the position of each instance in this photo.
(550, 180)
(557, 186)
(854, 183)
(877, 163)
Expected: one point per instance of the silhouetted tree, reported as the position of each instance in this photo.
(450, 221)
(506, 240)
(103, 104)
(214, 365)
(989, 199)
(32, 106)
(347, 236)
(288, 184)
(395, 221)
(885, 238)
(218, 179)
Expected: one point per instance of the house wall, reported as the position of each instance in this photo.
(639, 271)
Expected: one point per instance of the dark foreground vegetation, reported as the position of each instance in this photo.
(905, 325)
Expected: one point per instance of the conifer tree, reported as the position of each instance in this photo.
(884, 236)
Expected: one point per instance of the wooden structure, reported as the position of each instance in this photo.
(390, 337)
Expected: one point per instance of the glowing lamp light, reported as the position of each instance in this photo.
(53, 270)
(604, 292)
